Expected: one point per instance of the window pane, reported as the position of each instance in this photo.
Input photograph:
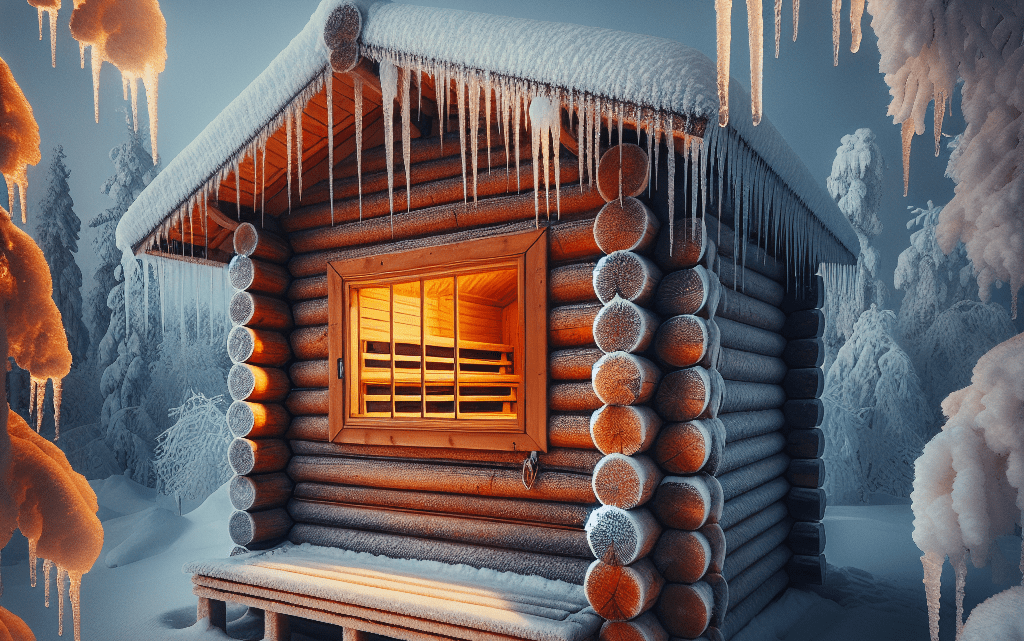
(488, 326)
(408, 347)
(373, 306)
(439, 329)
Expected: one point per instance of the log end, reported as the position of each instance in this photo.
(241, 457)
(685, 610)
(683, 448)
(241, 308)
(635, 171)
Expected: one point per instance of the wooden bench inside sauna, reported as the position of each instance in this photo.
(552, 377)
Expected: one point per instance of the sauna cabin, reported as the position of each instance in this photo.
(525, 344)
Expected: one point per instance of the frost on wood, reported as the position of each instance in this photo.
(132, 36)
(40, 494)
(969, 481)
(19, 138)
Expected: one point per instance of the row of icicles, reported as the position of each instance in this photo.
(723, 11)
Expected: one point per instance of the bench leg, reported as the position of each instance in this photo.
(351, 634)
(276, 627)
(214, 610)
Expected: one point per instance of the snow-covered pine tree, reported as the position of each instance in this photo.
(192, 455)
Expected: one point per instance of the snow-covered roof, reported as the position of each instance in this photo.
(642, 70)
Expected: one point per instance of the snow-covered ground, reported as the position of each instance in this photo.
(876, 595)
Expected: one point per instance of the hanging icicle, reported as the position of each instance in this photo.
(856, 13)
(406, 135)
(288, 153)
(487, 118)
(474, 127)
(755, 25)
(837, 8)
(460, 96)
(778, 25)
(796, 18)
(723, 11)
(670, 156)
(329, 90)
(298, 144)
(907, 135)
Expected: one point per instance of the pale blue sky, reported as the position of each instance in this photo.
(215, 48)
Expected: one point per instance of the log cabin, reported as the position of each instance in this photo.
(525, 345)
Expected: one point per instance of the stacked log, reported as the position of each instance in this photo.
(259, 348)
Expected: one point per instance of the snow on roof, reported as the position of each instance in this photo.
(643, 70)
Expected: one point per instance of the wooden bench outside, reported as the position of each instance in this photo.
(404, 599)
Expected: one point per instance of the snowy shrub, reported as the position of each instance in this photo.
(876, 416)
(998, 618)
(130, 435)
(192, 456)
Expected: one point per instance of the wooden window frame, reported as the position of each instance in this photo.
(528, 251)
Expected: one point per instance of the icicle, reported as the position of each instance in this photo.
(209, 309)
(940, 111)
(288, 153)
(238, 190)
(960, 566)
(95, 61)
(932, 563)
(61, 576)
(670, 156)
(460, 96)
(145, 293)
(837, 7)
(907, 134)
(474, 127)
(581, 146)
(406, 136)
(778, 25)
(419, 89)
(723, 11)
(555, 126)
(160, 275)
(151, 81)
(594, 133)
(657, 145)
(535, 151)
(388, 109)
(255, 180)
(796, 17)
(39, 15)
(517, 100)
(263, 183)
(357, 90)
(856, 13)
(389, 88)
(194, 279)
(298, 140)
(32, 561)
(441, 93)
(620, 153)
(47, 566)
(75, 594)
(487, 122)
(53, 38)
(597, 133)
(57, 387)
(755, 25)
(692, 144)
(133, 85)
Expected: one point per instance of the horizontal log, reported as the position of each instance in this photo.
(684, 448)
(744, 309)
(753, 501)
(260, 243)
(737, 335)
(807, 538)
(741, 613)
(260, 492)
(307, 402)
(311, 312)
(259, 311)
(626, 275)
(720, 587)
(750, 450)
(621, 378)
(643, 628)
(572, 241)
(573, 364)
(624, 326)
(804, 413)
(257, 420)
(309, 287)
(753, 475)
(807, 323)
(563, 487)
(572, 283)
(571, 515)
(621, 537)
(684, 394)
(258, 456)
(682, 556)
(806, 504)
(736, 365)
(624, 429)
(741, 558)
(741, 586)
(309, 429)
(257, 384)
(258, 276)
(309, 343)
(575, 396)
(738, 535)
(556, 458)
(258, 346)
(682, 341)
(620, 593)
(569, 430)
(753, 257)
(572, 325)
(747, 281)
(626, 225)
(804, 295)
(807, 570)
(625, 481)
(623, 171)
(687, 502)
(739, 396)
(804, 383)
(687, 291)
(689, 245)
(804, 352)
(314, 373)
(806, 472)
(568, 569)
(741, 425)
(515, 536)
(247, 528)
(685, 609)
